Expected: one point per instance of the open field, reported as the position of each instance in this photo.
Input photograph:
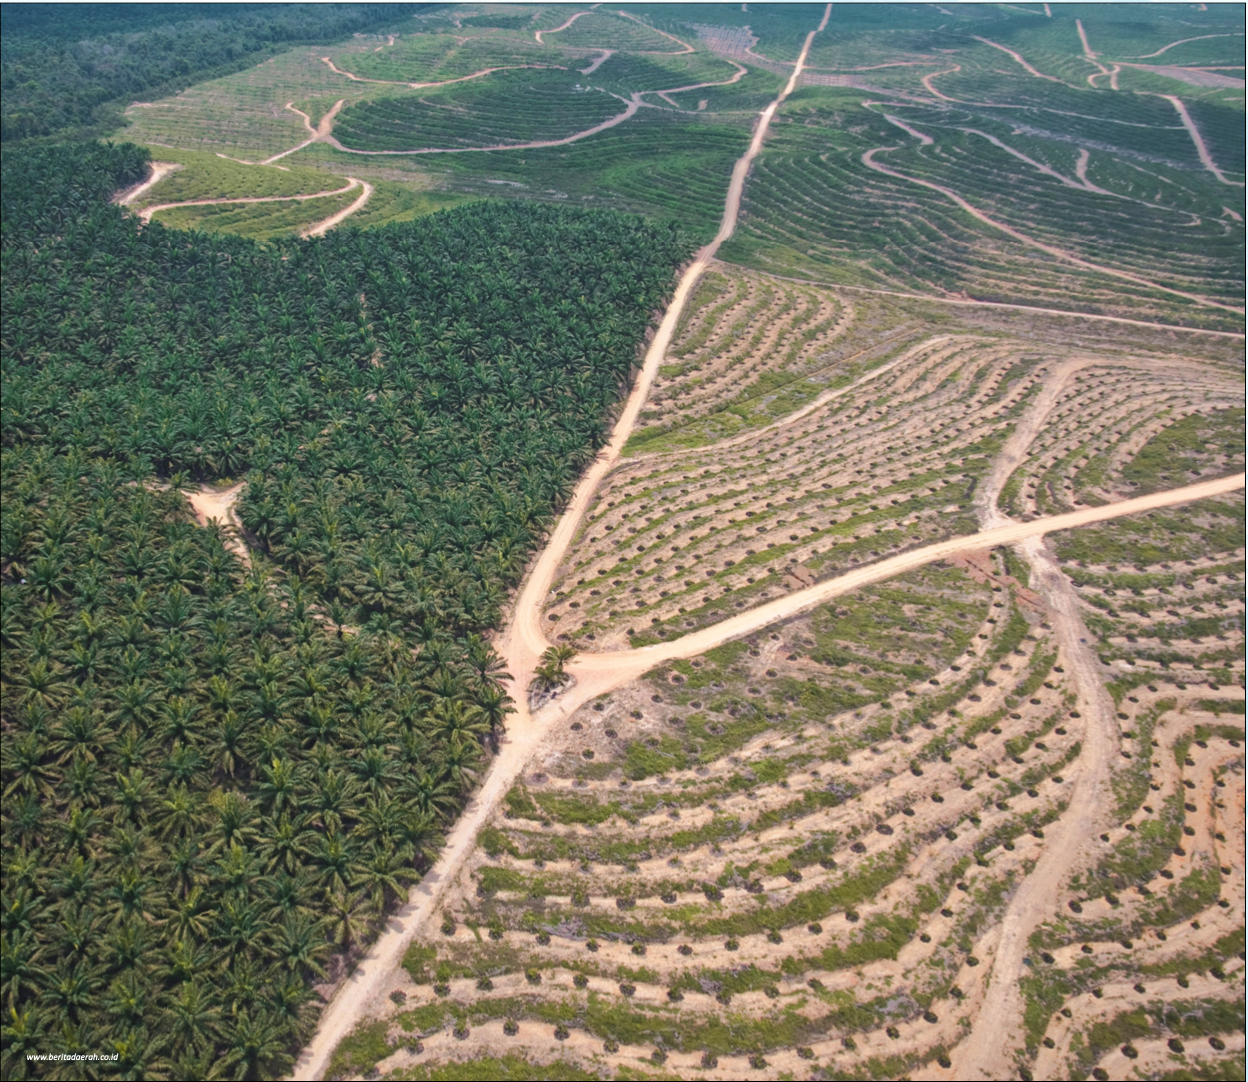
(848, 840)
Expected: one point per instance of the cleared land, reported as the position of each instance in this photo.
(814, 845)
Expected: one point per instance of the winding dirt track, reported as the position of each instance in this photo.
(321, 131)
(868, 159)
(1047, 170)
(321, 228)
(445, 82)
(927, 82)
(742, 71)
(1183, 41)
(603, 56)
(997, 1031)
(924, 140)
(634, 103)
(987, 1050)
(685, 46)
(611, 122)
(159, 170)
(538, 33)
(147, 212)
(1202, 151)
(520, 647)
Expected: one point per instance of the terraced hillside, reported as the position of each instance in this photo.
(413, 110)
(809, 848)
(979, 791)
(946, 160)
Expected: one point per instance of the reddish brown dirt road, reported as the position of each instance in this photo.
(425, 86)
(597, 669)
(1202, 151)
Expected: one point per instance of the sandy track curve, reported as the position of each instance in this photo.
(445, 82)
(927, 82)
(686, 47)
(1014, 450)
(1081, 180)
(868, 159)
(319, 132)
(158, 172)
(538, 33)
(603, 56)
(611, 122)
(986, 1051)
(147, 212)
(1202, 151)
(924, 140)
(520, 647)
(321, 228)
(742, 71)
(1182, 41)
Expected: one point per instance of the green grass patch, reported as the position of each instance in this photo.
(492, 1069)
(359, 1051)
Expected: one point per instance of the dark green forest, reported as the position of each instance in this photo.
(216, 778)
(73, 67)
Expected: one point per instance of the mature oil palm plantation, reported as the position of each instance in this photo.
(212, 776)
